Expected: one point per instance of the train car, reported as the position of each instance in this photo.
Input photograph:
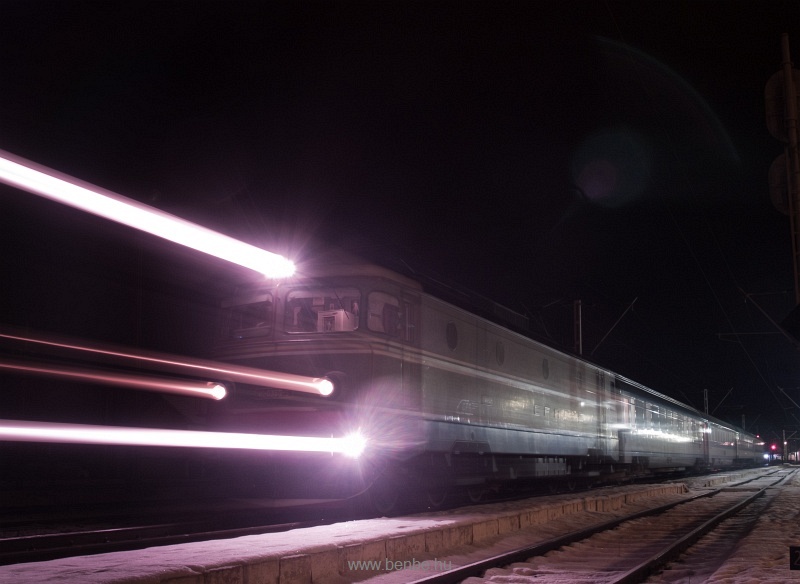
(662, 434)
(446, 399)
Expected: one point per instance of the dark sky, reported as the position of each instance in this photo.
(534, 152)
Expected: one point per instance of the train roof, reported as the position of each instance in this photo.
(643, 388)
(333, 269)
(338, 263)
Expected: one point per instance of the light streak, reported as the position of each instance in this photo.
(48, 183)
(25, 431)
(184, 365)
(208, 389)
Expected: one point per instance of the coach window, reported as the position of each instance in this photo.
(600, 380)
(322, 310)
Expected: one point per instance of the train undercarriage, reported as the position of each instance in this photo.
(432, 479)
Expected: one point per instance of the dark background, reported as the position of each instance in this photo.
(533, 152)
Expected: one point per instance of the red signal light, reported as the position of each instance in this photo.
(773, 447)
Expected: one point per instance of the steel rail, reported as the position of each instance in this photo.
(656, 561)
(477, 568)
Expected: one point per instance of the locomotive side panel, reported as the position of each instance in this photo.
(451, 405)
(481, 398)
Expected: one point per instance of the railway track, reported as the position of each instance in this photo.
(628, 549)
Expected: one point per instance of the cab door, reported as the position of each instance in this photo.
(412, 357)
(393, 320)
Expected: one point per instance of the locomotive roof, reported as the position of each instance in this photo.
(350, 269)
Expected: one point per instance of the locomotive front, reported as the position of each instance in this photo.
(351, 326)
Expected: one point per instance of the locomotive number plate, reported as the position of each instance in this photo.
(794, 557)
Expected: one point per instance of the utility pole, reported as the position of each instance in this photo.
(781, 94)
(578, 327)
(784, 447)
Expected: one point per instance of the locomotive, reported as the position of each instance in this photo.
(446, 400)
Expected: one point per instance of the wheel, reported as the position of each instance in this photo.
(475, 494)
(384, 496)
(435, 497)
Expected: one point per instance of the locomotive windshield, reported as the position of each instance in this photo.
(322, 310)
(249, 316)
(319, 309)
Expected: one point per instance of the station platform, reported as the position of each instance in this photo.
(405, 548)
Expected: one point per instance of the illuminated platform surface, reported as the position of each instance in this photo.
(403, 549)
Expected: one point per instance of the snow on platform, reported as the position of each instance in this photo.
(397, 549)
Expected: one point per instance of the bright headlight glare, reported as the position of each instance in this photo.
(353, 445)
(24, 431)
(324, 386)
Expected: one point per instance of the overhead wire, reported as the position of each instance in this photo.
(687, 243)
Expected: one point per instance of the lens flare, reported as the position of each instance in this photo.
(25, 431)
(45, 182)
(354, 445)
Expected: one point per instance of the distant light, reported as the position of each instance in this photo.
(50, 184)
(24, 431)
(187, 387)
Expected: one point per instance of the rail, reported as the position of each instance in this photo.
(636, 573)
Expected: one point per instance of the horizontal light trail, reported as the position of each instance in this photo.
(48, 183)
(188, 387)
(182, 365)
(25, 431)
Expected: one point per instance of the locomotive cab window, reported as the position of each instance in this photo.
(390, 315)
(249, 316)
(385, 314)
(322, 310)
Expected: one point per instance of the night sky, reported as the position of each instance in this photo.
(533, 152)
